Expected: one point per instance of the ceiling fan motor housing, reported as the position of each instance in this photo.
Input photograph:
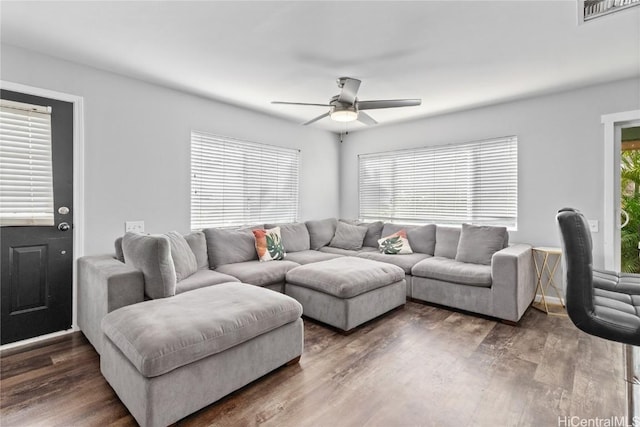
(342, 111)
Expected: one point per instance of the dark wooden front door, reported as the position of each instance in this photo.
(37, 261)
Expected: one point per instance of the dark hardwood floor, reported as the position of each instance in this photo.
(421, 365)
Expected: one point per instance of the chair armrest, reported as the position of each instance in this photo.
(513, 281)
(104, 284)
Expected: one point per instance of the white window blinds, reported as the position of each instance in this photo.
(26, 181)
(237, 183)
(474, 182)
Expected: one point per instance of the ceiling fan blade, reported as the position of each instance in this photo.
(349, 91)
(299, 103)
(366, 119)
(388, 103)
(322, 116)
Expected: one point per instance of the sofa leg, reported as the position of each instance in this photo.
(293, 361)
(509, 322)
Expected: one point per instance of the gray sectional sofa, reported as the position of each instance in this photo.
(501, 285)
(168, 308)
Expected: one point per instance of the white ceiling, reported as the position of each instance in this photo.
(452, 54)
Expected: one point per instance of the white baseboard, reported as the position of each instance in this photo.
(37, 339)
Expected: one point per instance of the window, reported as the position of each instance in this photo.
(595, 8)
(26, 173)
(475, 182)
(237, 183)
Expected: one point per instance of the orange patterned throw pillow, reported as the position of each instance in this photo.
(395, 244)
(269, 244)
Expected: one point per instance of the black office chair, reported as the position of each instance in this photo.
(599, 302)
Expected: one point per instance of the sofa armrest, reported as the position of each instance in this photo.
(104, 284)
(513, 281)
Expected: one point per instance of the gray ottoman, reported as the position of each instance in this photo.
(170, 357)
(346, 292)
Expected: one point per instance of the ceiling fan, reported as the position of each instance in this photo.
(346, 107)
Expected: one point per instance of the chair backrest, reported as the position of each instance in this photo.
(578, 265)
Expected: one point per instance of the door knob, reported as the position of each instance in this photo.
(63, 226)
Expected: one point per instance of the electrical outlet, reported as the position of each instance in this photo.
(593, 225)
(134, 226)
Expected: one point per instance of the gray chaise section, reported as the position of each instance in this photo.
(170, 357)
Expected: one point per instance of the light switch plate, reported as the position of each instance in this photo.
(593, 225)
(134, 226)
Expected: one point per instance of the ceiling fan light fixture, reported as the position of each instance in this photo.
(345, 115)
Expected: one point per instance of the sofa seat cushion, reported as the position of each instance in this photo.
(347, 252)
(161, 335)
(345, 277)
(201, 279)
(449, 270)
(309, 256)
(258, 273)
(405, 261)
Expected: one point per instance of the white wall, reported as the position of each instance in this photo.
(137, 146)
(560, 150)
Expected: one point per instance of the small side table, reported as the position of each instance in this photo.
(547, 259)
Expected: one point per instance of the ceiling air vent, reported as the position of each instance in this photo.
(592, 9)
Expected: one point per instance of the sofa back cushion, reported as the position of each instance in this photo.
(422, 238)
(478, 243)
(151, 254)
(198, 244)
(348, 236)
(118, 247)
(446, 242)
(374, 231)
(321, 232)
(184, 260)
(295, 236)
(230, 246)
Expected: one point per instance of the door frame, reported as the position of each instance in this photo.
(613, 125)
(78, 191)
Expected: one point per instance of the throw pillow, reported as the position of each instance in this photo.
(478, 243)
(184, 260)
(230, 246)
(348, 236)
(374, 232)
(152, 256)
(295, 236)
(198, 244)
(395, 244)
(269, 244)
(446, 242)
(321, 232)
(423, 238)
